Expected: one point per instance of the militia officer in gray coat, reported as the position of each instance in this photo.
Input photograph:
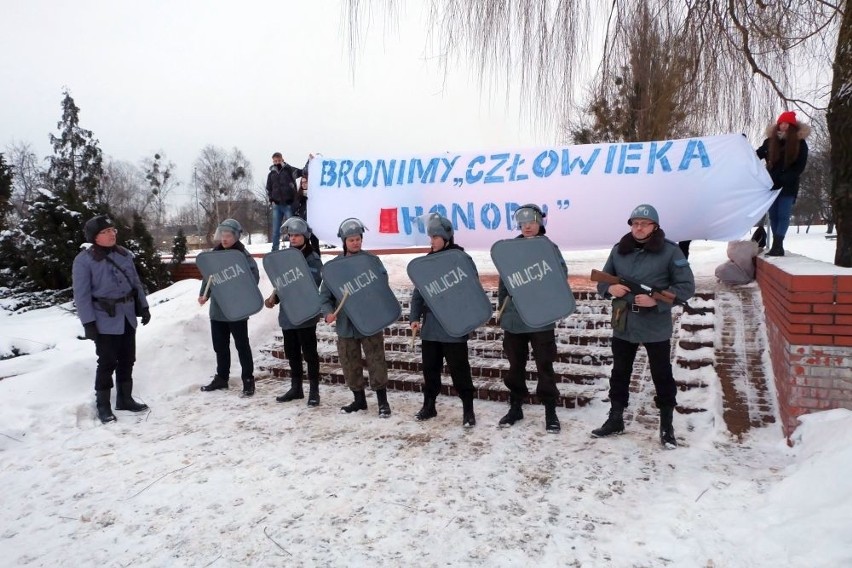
(221, 329)
(350, 341)
(109, 296)
(300, 340)
(644, 256)
(437, 344)
(518, 336)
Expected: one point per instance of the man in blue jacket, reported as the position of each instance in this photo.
(644, 255)
(109, 296)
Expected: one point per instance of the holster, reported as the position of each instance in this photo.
(107, 305)
(619, 314)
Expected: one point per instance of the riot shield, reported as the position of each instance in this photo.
(370, 304)
(450, 286)
(232, 284)
(531, 270)
(294, 284)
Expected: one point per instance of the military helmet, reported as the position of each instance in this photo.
(644, 211)
(95, 225)
(351, 227)
(529, 213)
(231, 226)
(296, 226)
(438, 226)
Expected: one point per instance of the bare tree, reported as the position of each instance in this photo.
(28, 175)
(225, 181)
(123, 188)
(749, 53)
(159, 173)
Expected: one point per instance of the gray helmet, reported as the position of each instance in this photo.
(644, 211)
(529, 213)
(95, 225)
(351, 227)
(296, 226)
(438, 226)
(231, 226)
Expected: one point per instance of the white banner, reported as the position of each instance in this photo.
(703, 188)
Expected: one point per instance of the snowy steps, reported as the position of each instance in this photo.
(583, 359)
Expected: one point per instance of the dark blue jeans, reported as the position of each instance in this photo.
(779, 215)
(280, 213)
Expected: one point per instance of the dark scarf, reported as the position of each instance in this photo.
(237, 246)
(450, 245)
(655, 242)
(99, 253)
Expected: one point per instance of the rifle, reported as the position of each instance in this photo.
(658, 294)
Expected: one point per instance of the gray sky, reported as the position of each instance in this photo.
(262, 76)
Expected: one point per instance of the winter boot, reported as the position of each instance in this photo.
(667, 435)
(124, 400)
(248, 387)
(384, 407)
(428, 411)
(313, 393)
(614, 423)
(468, 417)
(777, 248)
(104, 410)
(551, 421)
(216, 384)
(360, 403)
(294, 392)
(515, 412)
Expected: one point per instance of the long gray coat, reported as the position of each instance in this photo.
(666, 269)
(95, 277)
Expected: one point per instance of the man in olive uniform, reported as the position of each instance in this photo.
(644, 255)
(109, 296)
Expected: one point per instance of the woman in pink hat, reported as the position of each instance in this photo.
(786, 154)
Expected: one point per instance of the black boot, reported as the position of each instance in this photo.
(384, 407)
(104, 410)
(468, 417)
(515, 412)
(667, 435)
(360, 403)
(248, 387)
(777, 248)
(124, 399)
(216, 384)
(294, 392)
(551, 421)
(313, 393)
(428, 411)
(614, 423)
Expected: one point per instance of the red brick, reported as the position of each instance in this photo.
(812, 284)
(833, 309)
(833, 329)
(814, 298)
(847, 341)
(823, 319)
(844, 299)
(812, 339)
(843, 320)
(844, 283)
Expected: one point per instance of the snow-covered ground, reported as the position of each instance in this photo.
(212, 479)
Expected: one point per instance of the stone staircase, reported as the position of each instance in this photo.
(583, 362)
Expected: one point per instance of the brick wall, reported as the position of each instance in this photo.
(809, 325)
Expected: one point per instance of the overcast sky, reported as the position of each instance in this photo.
(261, 76)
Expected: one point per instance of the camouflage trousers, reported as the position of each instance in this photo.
(349, 350)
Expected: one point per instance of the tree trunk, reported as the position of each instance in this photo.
(839, 121)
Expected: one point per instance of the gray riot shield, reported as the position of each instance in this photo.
(232, 284)
(371, 305)
(450, 286)
(289, 272)
(531, 270)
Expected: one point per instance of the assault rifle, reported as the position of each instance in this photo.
(658, 294)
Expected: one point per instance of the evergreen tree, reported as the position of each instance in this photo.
(11, 265)
(179, 248)
(153, 272)
(6, 178)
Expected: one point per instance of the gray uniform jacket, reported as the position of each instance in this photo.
(315, 265)
(215, 311)
(511, 320)
(666, 269)
(95, 277)
(345, 327)
(432, 330)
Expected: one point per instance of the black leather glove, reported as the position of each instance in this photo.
(91, 330)
(146, 316)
